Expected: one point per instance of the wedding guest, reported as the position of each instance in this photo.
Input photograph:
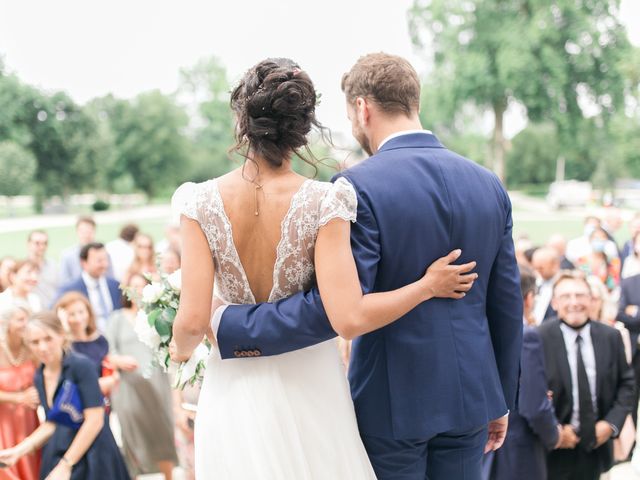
(102, 290)
(611, 223)
(6, 265)
(597, 262)
(580, 246)
(521, 245)
(559, 244)
(49, 279)
(629, 314)
(144, 260)
(184, 405)
(18, 396)
(83, 453)
(23, 279)
(171, 238)
(533, 428)
(70, 267)
(75, 313)
(143, 388)
(631, 265)
(169, 261)
(546, 264)
(634, 229)
(120, 251)
(593, 398)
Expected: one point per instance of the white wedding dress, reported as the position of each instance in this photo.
(285, 417)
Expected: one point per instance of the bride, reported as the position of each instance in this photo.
(262, 233)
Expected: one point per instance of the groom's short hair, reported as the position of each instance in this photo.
(388, 80)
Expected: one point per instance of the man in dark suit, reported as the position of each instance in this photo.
(433, 389)
(102, 291)
(592, 385)
(629, 314)
(533, 428)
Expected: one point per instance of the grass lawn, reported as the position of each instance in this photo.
(14, 243)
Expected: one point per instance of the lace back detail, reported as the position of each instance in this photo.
(314, 205)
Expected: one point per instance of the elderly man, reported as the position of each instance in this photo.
(592, 385)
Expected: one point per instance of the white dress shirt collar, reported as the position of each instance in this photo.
(404, 132)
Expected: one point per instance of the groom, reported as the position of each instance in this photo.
(432, 390)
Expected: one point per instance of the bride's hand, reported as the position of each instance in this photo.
(445, 280)
(176, 355)
(9, 457)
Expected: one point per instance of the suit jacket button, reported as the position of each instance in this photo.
(236, 354)
(257, 353)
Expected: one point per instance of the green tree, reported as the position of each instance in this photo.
(17, 167)
(205, 90)
(562, 61)
(148, 135)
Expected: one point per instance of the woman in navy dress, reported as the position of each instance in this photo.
(77, 317)
(87, 453)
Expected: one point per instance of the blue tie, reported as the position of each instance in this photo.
(103, 303)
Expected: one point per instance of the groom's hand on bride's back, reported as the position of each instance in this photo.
(445, 280)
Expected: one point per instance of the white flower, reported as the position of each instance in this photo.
(187, 370)
(145, 332)
(175, 280)
(152, 293)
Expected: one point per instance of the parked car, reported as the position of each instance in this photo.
(569, 193)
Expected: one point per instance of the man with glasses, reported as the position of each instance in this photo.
(591, 383)
(49, 280)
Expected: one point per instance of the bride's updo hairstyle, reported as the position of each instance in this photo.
(274, 104)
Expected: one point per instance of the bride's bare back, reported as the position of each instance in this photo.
(256, 237)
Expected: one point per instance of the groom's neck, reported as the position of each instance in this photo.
(386, 125)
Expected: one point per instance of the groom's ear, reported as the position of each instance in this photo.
(362, 110)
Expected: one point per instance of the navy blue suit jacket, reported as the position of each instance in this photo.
(630, 295)
(78, 285)
(448, 364)
(533, 428)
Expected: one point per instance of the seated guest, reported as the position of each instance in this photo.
(592, 384)
(102, 291)
(23, 278)
(546, 264)
(169, 261)
(76, 439)
(533, 428)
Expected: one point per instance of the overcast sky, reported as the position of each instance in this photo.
(125, 47)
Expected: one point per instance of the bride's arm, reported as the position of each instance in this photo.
(192, 320)
(353, 314)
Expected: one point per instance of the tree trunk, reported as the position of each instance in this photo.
(498, 140)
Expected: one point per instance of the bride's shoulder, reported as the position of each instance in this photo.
(188, 198)
(335, 199)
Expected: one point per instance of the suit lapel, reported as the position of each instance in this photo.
(600, 353)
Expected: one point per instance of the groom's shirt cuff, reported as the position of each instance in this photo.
(215, 320)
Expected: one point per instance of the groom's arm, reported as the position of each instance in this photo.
(504, 310)
(300, 320)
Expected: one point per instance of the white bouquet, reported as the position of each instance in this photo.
(154, 326)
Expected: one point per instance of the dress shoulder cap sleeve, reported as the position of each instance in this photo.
(340, 201)
(185, 202)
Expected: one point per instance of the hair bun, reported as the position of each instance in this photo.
(275, 108)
